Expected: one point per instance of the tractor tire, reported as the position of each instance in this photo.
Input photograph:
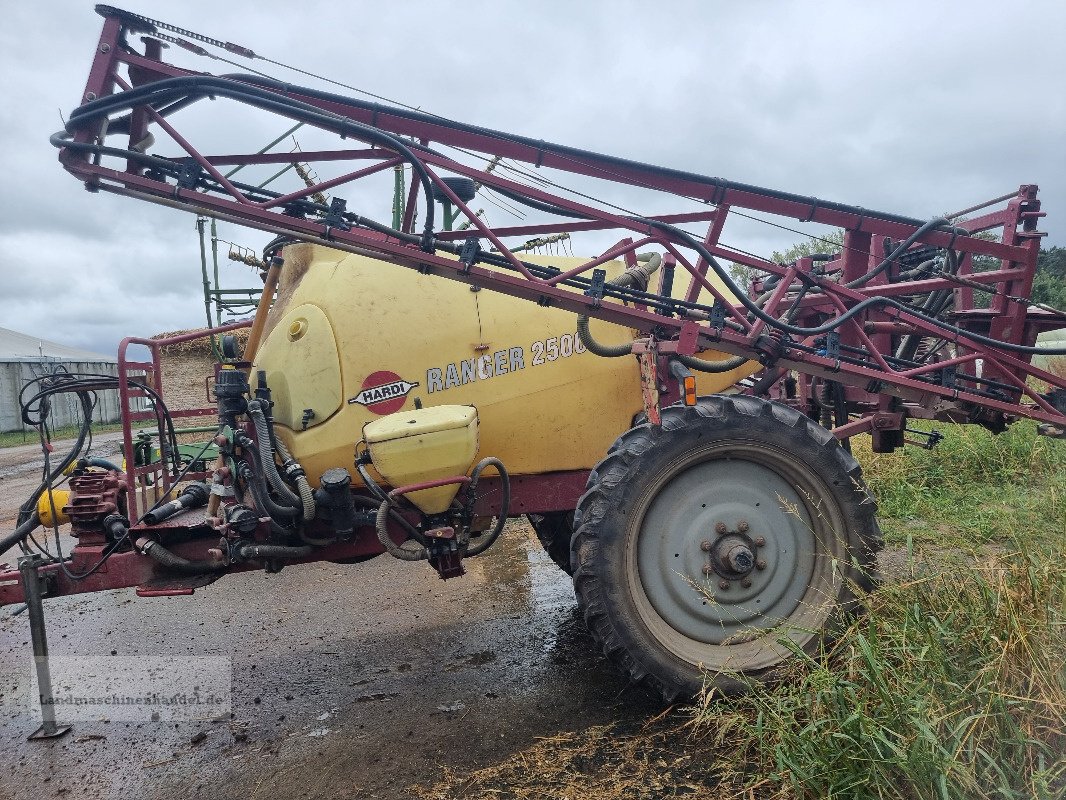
(709, 548)
(555, 530)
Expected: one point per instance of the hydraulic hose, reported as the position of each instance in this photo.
(155, 550)
(639, 276)
(836, 322)
(485, 542)
(28, 509)
(204, 86)
(179, 88)
(934, 305)
(393, 549)
(268, 551)
(23, 530)
(855, 310)
(266, 455)
(901, 248)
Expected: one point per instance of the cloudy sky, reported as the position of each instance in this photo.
(915, 107)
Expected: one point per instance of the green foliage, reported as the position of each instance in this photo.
(1049, 285)
(972, 487)
(952, 686)
(828, 244)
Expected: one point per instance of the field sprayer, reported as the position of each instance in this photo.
(411, 411)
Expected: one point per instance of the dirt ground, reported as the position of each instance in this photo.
(348, 681)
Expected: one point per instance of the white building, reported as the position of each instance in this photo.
(23, 358)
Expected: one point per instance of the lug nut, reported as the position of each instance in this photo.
(708, 570)
(760, 564)
(760, 541)
(742, 526)
(746, 583)
(720, 528)
(705, 546)
(723, 585)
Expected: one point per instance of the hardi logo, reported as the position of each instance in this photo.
(383, 392)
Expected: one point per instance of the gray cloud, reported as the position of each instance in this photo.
(909, 107)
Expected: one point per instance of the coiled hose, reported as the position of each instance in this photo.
(639, 277)
(307, 495)
(420, 554)
(393, 549)
(484, 543)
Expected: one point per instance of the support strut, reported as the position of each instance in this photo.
(31, 588)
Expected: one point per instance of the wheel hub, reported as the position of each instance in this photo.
(733, 555)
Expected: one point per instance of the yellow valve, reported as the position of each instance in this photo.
(59, 498)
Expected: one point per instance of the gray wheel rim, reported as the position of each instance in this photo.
(679, 585)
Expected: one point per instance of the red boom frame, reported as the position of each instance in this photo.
(981, 382)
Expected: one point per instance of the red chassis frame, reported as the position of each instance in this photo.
(881, 391)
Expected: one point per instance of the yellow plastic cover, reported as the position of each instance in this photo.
(424, 444)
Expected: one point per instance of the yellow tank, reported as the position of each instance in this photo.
(351, 339)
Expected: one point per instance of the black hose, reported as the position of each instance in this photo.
(934, 305)
(539, 146)
(267, 551)
(180, 89)
(155, 550)
(484, 542)
(266, 456)
(617, 350)
(29, 508)
(261, 493)
(772, 376)
(901, 249)
(209, 85)
(839, 320)
(23, 530)
(103, 463)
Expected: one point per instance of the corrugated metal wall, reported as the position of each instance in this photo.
(15, 373)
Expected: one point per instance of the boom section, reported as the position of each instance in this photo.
(911, 318)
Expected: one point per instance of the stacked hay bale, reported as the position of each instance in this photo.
(188, 372)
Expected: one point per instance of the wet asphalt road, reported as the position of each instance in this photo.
(348, 681)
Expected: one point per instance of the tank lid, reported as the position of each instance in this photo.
(418, 422)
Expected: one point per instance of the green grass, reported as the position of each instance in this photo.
(973, 487)
(953, 685)
(17, 438)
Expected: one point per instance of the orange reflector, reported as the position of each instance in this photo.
(690, 390)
